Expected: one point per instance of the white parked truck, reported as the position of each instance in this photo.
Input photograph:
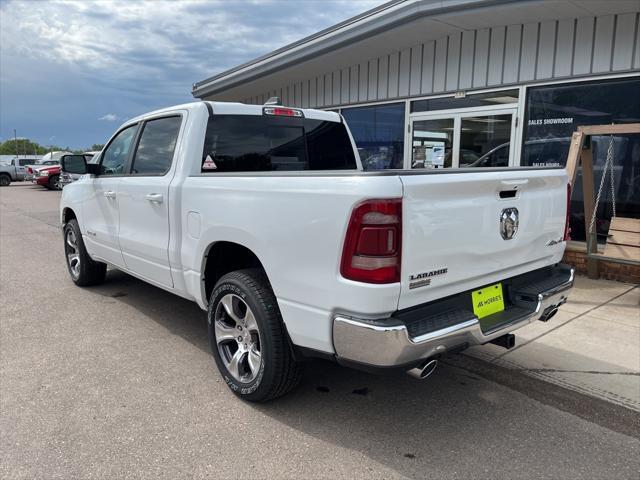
(264, 216)
(13, 171)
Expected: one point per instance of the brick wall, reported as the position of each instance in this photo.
(575, 255)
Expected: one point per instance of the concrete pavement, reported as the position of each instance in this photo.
(117, 381)
(591, 346)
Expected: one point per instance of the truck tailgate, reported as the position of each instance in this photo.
(452, 239)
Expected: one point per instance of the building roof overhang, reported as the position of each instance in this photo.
(390, 27)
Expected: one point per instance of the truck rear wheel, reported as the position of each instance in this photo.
(83, 269)
(248, 338)
(5, 180)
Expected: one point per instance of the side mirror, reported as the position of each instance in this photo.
(77, 164)
(73, 164)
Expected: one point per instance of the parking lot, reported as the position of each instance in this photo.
(117, 381)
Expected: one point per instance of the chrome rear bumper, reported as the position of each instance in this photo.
(388, 343)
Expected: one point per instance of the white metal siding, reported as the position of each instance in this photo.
(466, 59)
(543, 50)
(383, 78)
(482, 58)
(372, 93)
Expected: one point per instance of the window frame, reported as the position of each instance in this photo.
(127, 161)
(136, 142)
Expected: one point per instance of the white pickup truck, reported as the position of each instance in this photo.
(264, 216)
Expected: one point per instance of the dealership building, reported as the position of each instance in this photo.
(468, 84)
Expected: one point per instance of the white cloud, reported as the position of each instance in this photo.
(145, 38)
(95, 56)
(109, 117)
(126, 39)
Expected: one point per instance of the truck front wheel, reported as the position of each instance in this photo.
(5, 180)
(83, 269)
(248, 338)
(54, 182)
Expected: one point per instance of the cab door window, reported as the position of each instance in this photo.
(156, 146)
(116, 154)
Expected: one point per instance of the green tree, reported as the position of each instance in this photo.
(22, 146)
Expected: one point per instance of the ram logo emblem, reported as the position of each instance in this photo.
(509, 221)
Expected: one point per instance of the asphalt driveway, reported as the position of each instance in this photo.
(117, 381)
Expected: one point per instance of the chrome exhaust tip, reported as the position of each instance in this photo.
(422, 371)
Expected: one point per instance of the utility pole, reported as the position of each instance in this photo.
(15, 141)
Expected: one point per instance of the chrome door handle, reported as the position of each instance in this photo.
(110, 194)
(154, 197)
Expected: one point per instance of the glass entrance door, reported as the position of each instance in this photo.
(432, 143)
(463, 139)
(485, 140)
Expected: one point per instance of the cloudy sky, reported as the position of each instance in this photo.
(72, 70)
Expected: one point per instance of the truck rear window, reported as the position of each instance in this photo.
(257, 143)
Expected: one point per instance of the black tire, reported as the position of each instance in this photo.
(53, 182)
(5, 180)
(87, 272)
(278, 372)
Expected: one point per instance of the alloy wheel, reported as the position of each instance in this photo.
(237, 338)
(73, 253)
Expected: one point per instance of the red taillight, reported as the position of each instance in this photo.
(283, 112)
(373, 244)
(567, 229)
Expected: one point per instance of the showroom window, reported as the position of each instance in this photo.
(462, 139)
(554, 112)
(467, 130)
(378, 131)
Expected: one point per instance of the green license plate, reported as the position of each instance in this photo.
(487, 300)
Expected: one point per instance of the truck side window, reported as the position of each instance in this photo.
(116, 154)
(156, 146)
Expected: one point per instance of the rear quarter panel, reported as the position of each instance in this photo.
(295, 224)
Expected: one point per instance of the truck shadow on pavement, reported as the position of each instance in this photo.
(179, 316)
(455, 424)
